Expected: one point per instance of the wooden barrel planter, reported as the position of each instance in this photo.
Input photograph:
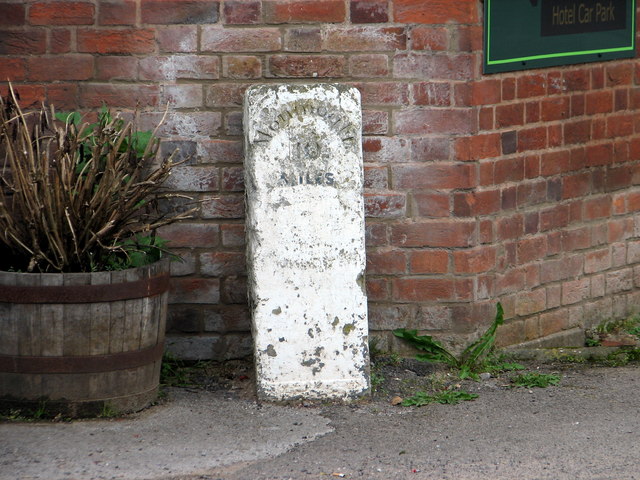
(81, 344)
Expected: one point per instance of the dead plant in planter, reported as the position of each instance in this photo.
(78, 196)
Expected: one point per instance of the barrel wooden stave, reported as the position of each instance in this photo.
(71, 330)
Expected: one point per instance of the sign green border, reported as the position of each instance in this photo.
(570, 55)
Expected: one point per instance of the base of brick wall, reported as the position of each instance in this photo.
(573, 338)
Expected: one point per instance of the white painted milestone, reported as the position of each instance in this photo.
(305, 241)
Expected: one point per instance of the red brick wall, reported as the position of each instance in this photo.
(519, 187)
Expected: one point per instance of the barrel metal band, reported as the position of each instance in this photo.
(146, 287)
(81, 363)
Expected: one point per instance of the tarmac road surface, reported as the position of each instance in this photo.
(588, 427)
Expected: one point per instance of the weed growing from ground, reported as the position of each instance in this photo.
(41, 411)
(469, 361)
(15, 415)
(498, 364)
(532, 379)
(28, 414)
(621, 358)
(447, 397)
(634, 331)
(376, 381)
(178, 373)
(629, 325)
(566, 355)
(108, 411)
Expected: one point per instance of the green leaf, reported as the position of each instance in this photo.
(634, 331)
(104, 116)
(435, 352)
(80, 166)
(473, 352)
(469, 361)
(140, 142)
(69, 117)
(88, 131)
(137, 251)
(447, 397)
(505, 366)
(455, 397)
(418, 400)
(540, 380)
(466, 372)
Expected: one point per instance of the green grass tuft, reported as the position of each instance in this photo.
(539, 380)
(447, 397)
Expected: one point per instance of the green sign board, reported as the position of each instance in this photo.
(524, 34)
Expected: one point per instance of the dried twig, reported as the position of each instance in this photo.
(71, 193)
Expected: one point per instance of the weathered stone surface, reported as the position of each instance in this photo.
(305, 240)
